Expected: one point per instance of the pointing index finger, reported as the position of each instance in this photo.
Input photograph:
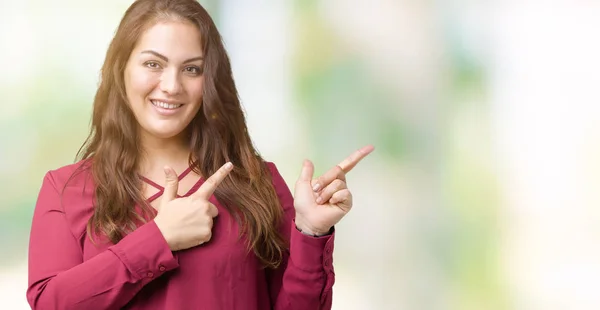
(351, 161)
(210, 185)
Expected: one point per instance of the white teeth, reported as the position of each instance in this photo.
(165, 105)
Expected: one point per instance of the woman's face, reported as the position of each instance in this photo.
(164, 78)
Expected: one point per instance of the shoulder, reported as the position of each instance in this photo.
(74, 185)
(281, 188)
(275, 174)
(69, 189)
(73, 175)
(75, 193)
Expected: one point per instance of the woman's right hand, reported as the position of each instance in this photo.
(187, 222)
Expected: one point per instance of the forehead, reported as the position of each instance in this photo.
(174, 39)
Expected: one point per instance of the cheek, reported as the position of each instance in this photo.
(141, 83)
(195, 90)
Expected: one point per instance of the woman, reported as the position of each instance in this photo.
(223, 234)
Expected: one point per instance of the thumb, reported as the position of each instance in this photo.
(307, 172)
(171, 185)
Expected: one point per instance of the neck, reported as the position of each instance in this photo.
(158, 153)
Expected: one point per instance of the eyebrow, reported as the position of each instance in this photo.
(163, 57)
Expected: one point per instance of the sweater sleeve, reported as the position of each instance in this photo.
(59, 278)
(306, 276)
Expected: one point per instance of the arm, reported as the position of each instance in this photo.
(305, 278)
(60, 279)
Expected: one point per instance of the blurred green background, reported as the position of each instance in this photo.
(483, 189)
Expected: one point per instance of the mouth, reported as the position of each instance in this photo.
(165, 105)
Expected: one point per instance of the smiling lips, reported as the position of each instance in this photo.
(164, 105)
(164, 108)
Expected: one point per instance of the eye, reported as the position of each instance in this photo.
(193, 70)
(152, 64)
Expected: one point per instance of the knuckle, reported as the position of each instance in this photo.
(204, 206)
(338, 195)
(205, 209)
(198, 205)
(211, 181)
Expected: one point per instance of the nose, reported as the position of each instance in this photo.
(170, 83)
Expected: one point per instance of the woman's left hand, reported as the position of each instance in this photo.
(323, 202)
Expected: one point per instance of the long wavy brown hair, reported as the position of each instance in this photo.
(217, 134)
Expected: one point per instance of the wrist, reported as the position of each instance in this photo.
(165, 233)
(310, 231)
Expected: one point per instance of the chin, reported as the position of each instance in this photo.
(164, 133)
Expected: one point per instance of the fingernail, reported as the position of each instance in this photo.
(228, 166)
(319, 199)
(316, 187)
